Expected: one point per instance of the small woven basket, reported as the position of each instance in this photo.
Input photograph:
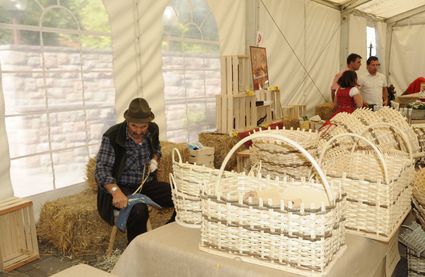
(186, 182)
(278, 160)
(288, 224)
(378, 186)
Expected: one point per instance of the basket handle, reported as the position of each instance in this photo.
(395, 128)
(381, 159)
(281, 138)
(172, 180)
(175, 150)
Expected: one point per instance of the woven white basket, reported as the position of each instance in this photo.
(378, 186)
(298, 227)
(413, 237)
(278, 160)
(186, 182)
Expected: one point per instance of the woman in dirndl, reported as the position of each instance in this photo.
(347, 96)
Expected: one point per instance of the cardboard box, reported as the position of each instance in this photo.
(202, 156)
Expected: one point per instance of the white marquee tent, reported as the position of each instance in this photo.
(306, 41)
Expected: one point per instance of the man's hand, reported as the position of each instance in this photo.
(153, 165)
(119, 199)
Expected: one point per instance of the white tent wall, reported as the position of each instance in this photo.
(136, 28)
(141, 75)
(381, 41)
(312, 45)
(357, 39)
(230, 17)
(406, 52)
(5, 184)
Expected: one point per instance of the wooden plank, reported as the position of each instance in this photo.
(235, 75)
(33, 230)
(230, 113)
(19, 261)
(252, 112)
(229, 72)
(243, 113)
(218, 112)
(223, 75)
(13, 208)
(236, 102)
(224, 104)
(10, 202)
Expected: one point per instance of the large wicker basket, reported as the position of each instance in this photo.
(378, 185)
(297, 227)
(186, 182)
(278, 160)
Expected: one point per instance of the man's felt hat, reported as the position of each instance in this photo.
(139, 111)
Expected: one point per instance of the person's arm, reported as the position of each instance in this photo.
(357, 97)
(105, 160)
(385, 96)
(358, 100)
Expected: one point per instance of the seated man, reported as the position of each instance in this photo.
(129, 156)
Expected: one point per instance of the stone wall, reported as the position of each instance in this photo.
(72, 101)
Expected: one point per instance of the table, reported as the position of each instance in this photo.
(172, 250)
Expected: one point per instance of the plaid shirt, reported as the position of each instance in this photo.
(138, 156)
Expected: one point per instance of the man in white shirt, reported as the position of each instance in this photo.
(373, 85)
(354, 61)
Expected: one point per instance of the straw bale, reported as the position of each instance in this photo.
(325, 111)
(222, 144)
(73, 226)
(159, 217)
(291, 123)
(165, 166)
(90, 170)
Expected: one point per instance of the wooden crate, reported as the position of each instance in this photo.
(238, 112)
(18, 238)
(202, 156)
(272, 96)
(235, 109)
(293, 111)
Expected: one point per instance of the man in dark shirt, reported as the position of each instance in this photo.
(129, 156)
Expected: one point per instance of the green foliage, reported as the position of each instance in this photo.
(88, 15)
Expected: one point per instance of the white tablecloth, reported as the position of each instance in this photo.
(173, 250)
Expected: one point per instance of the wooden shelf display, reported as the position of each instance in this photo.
(18, 238)
(235, 108)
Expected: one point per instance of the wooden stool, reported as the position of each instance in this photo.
(114, 235)
(242, 160)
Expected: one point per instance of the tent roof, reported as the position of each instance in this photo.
(381, 8)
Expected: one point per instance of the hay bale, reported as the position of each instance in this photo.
(159, 217)
(291, 123)
(90, 170)
(166, 164)
(73, 226)
(325, 111)
(222, 144)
